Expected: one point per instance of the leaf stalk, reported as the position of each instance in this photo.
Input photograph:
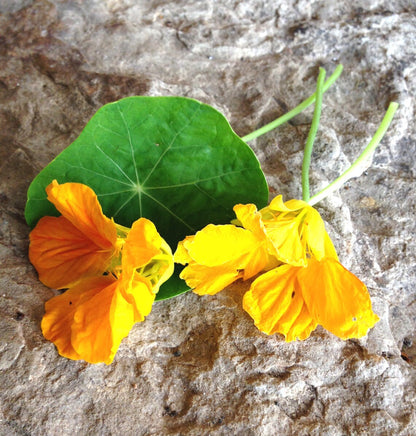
(352, 171)
(296, 111)
(312, 135)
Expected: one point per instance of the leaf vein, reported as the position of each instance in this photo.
(168, 210)
(113, 162)
(171, 144)
(123, 205)
(130, 143)
(99, 174)
(195, 181)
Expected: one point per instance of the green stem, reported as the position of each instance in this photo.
(351, 172)
(311, 136)
(297, 110)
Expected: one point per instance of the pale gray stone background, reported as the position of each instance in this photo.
(198, 366)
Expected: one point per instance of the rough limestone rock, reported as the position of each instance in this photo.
(197, 365)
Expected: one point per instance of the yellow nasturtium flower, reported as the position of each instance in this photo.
(302, 285)
(113, 273)
(218, 255)
(297, 231)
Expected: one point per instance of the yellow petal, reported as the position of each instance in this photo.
(313, 231)
(329, 247)
(62, 254)
(282, 224)
(284, 235)
(79, 205)
(297, 231)
(138, 291)
(219, 255)
(275, 303)
(302, 326)
(250, 219)
(336, 298)
(181, 254)
(278, 205)
(209, 280)
(217, 245)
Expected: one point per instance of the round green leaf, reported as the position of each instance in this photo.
(172, 160)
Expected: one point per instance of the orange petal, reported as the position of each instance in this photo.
(336, 298)
(146, 252)
(101, 323)
(275, 303)
(142, 244)
(90, 320)
(79, 205)
(62, 254)
(59, 315)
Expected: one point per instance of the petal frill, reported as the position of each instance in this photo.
(62, 254)
(275, 303)
(278, 205)
(79, 204)
(336, 298)
(205, 280)
(250, 219)
(60, 311)
(181, 254)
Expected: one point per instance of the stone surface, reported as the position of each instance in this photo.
(197, 365)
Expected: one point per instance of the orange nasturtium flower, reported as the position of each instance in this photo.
(302, 285)
(113, 273)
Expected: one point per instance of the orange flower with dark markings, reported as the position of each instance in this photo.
(113, 273)
(80, 243)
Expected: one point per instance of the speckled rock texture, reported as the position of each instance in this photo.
(197, 365)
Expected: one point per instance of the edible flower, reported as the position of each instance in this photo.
(113, 273)
(302, 282)
(218, 255)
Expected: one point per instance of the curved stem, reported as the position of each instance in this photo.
(311, 136)
(369, 150)
(296, 111)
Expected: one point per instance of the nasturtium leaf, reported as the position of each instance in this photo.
(172, 160)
